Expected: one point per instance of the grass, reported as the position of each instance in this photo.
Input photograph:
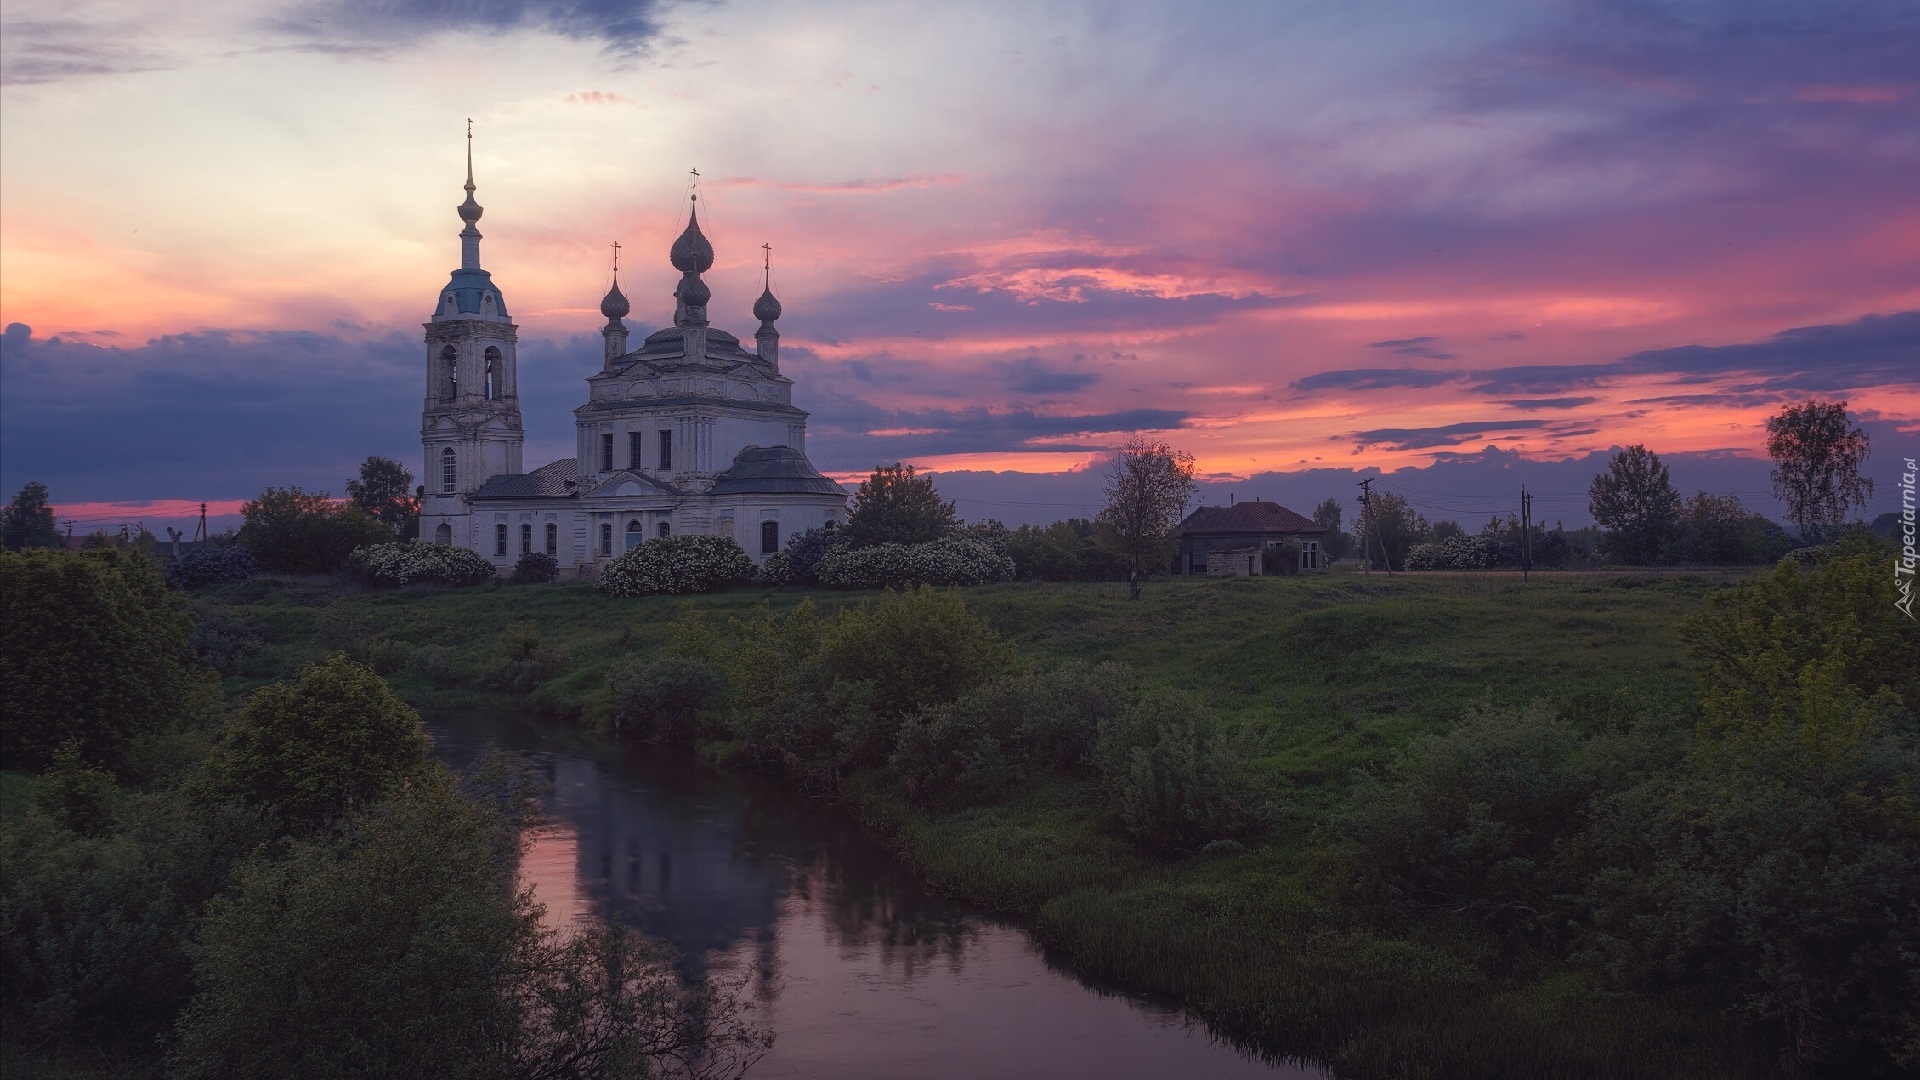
(1338, 672)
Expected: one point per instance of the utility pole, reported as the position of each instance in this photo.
(201, 532)
(1366, 506)
(1526, 532)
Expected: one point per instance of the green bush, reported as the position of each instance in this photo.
(1177, 775)
(203, 566)
(223, 640)
(953, 560)
(676, 564)
(301, 532)
(535, 568)
(93, 649)
(659, 700)
(413, 562)
(915, 648)
(313, 749)
(525, 661)
(778, 569)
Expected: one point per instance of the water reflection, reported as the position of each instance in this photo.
(861, 971)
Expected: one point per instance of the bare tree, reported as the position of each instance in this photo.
(1148, 486)
(1816, 465)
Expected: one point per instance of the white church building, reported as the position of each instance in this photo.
(687, 434)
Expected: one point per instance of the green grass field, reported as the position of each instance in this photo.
(1337, 671)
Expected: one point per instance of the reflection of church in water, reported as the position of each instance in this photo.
(689, 433)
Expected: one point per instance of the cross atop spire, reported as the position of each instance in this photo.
(469, 157)
(616, 260)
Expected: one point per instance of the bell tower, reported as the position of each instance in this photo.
(470, 421)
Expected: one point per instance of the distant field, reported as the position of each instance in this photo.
(1338, 671)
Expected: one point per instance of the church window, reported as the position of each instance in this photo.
(449, 373)
(443, 534)
(726, 528)
(635, 533)
(769, 537)
(606, 452)
(494, 372)
(499, 539)
(666, 449)
(666, 530)
(553, 538)
(635, 439)
(447, 480)
(606, 539)
(526, 538)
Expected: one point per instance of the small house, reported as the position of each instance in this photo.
(1248, 539)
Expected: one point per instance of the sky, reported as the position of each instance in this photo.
(1453, 246)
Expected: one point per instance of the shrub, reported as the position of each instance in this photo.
(1176, 773)
(434, 662)
(524, 662)
(777, 570)
(205, 566)
(1455, 553)
(806, 549)
(658, 700)
(957, 560)
(93, 648)
(313, 749)
(535, 568)
(676, 564)
(222, 640)
(411, 562)
(302, 532)
(915, 648)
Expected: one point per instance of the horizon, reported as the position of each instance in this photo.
(1485, 249)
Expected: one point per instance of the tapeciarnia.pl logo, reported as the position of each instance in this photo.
(1904, 565)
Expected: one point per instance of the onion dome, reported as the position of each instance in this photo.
(692, 253)
(693, 292)
(470, 211)
(614, 305)
(767, 308)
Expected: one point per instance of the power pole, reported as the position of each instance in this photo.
(1366, 506)
(1526, 532)
(201, 532)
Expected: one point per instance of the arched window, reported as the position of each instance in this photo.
(499, 540)
(769, 537)
(443, 534)
(493, 373)
(606, 538)
(666, 529)
(636, 532)
(726, 528)
(447, 480)
(526, 538)
(449, 373)
(553, 538)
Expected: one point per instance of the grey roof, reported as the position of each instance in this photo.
(668, 401)
(771, 470)
(556, 481)
(467, 286)
(1247, 517)
(613, 481)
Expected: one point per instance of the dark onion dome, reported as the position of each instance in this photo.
(614, 305)
(767, 308)
(694, 292)
(469, 211)
(773, 470)
(692, 254)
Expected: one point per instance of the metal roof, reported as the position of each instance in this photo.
(556, 481)
(1254, 516)
(773, 470)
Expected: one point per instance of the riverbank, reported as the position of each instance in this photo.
(1336, 673)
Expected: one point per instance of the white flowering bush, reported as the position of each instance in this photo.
(953, 560)
(411, 561)
(1455, 553)
(676, 564)
(777, 569)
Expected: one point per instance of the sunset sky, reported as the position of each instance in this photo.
(1292, 238)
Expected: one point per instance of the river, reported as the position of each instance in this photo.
(860, 970)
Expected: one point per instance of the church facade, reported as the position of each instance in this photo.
(690, 433)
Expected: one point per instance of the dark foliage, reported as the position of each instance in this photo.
(93, 649)
(1634, 501)
(659, 699)
(896, 506)
(806, 549)
(227, 564)
(384, 492)
(27, 521)
(299, 532)
(535, 568)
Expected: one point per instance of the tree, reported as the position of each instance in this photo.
(1148, 486)
(894, 506)
(1635, 502)
(314, 749)
(302, 532)
(1816, 465)
(1391, 525)
(93, 649)
(384, 492)
(29, 520)
(1717, 529)
(1327, 516)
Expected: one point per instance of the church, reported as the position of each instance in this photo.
(688, 434)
